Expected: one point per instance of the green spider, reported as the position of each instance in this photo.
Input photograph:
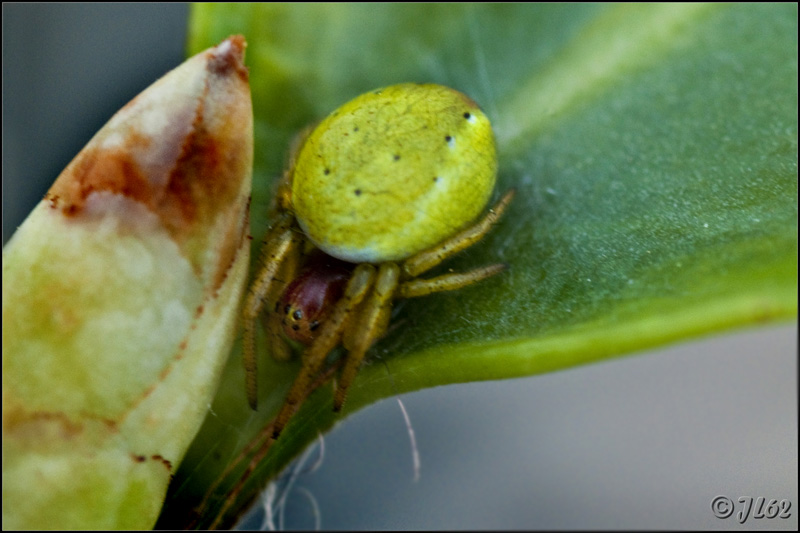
(382, 190)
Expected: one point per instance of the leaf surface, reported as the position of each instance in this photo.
(654, 149)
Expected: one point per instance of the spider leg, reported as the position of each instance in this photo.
(279, 349)
(427, 259)
(329, 336)
(369, 325)
(447, 282)
(277, 244)
(259, 446)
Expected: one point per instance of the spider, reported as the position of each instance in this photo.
(384, 189)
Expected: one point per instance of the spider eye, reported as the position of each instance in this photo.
(287, 308)
(297, 315)
(314, 325)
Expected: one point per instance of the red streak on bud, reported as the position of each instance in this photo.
(181, 149)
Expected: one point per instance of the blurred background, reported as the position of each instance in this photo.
(642, 442)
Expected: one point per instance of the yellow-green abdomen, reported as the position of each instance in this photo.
(394, 172)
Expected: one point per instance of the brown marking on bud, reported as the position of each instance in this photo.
(162, 376)
(228, 61)
(188, 172)
(165, 462)
(158, 458)
(19, 421)
(95, 170)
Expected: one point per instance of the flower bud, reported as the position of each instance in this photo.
(120, 302)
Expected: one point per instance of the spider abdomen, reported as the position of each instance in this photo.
(393, 172)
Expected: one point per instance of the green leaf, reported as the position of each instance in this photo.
(654, 149)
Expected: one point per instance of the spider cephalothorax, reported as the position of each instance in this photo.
(308, 299)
